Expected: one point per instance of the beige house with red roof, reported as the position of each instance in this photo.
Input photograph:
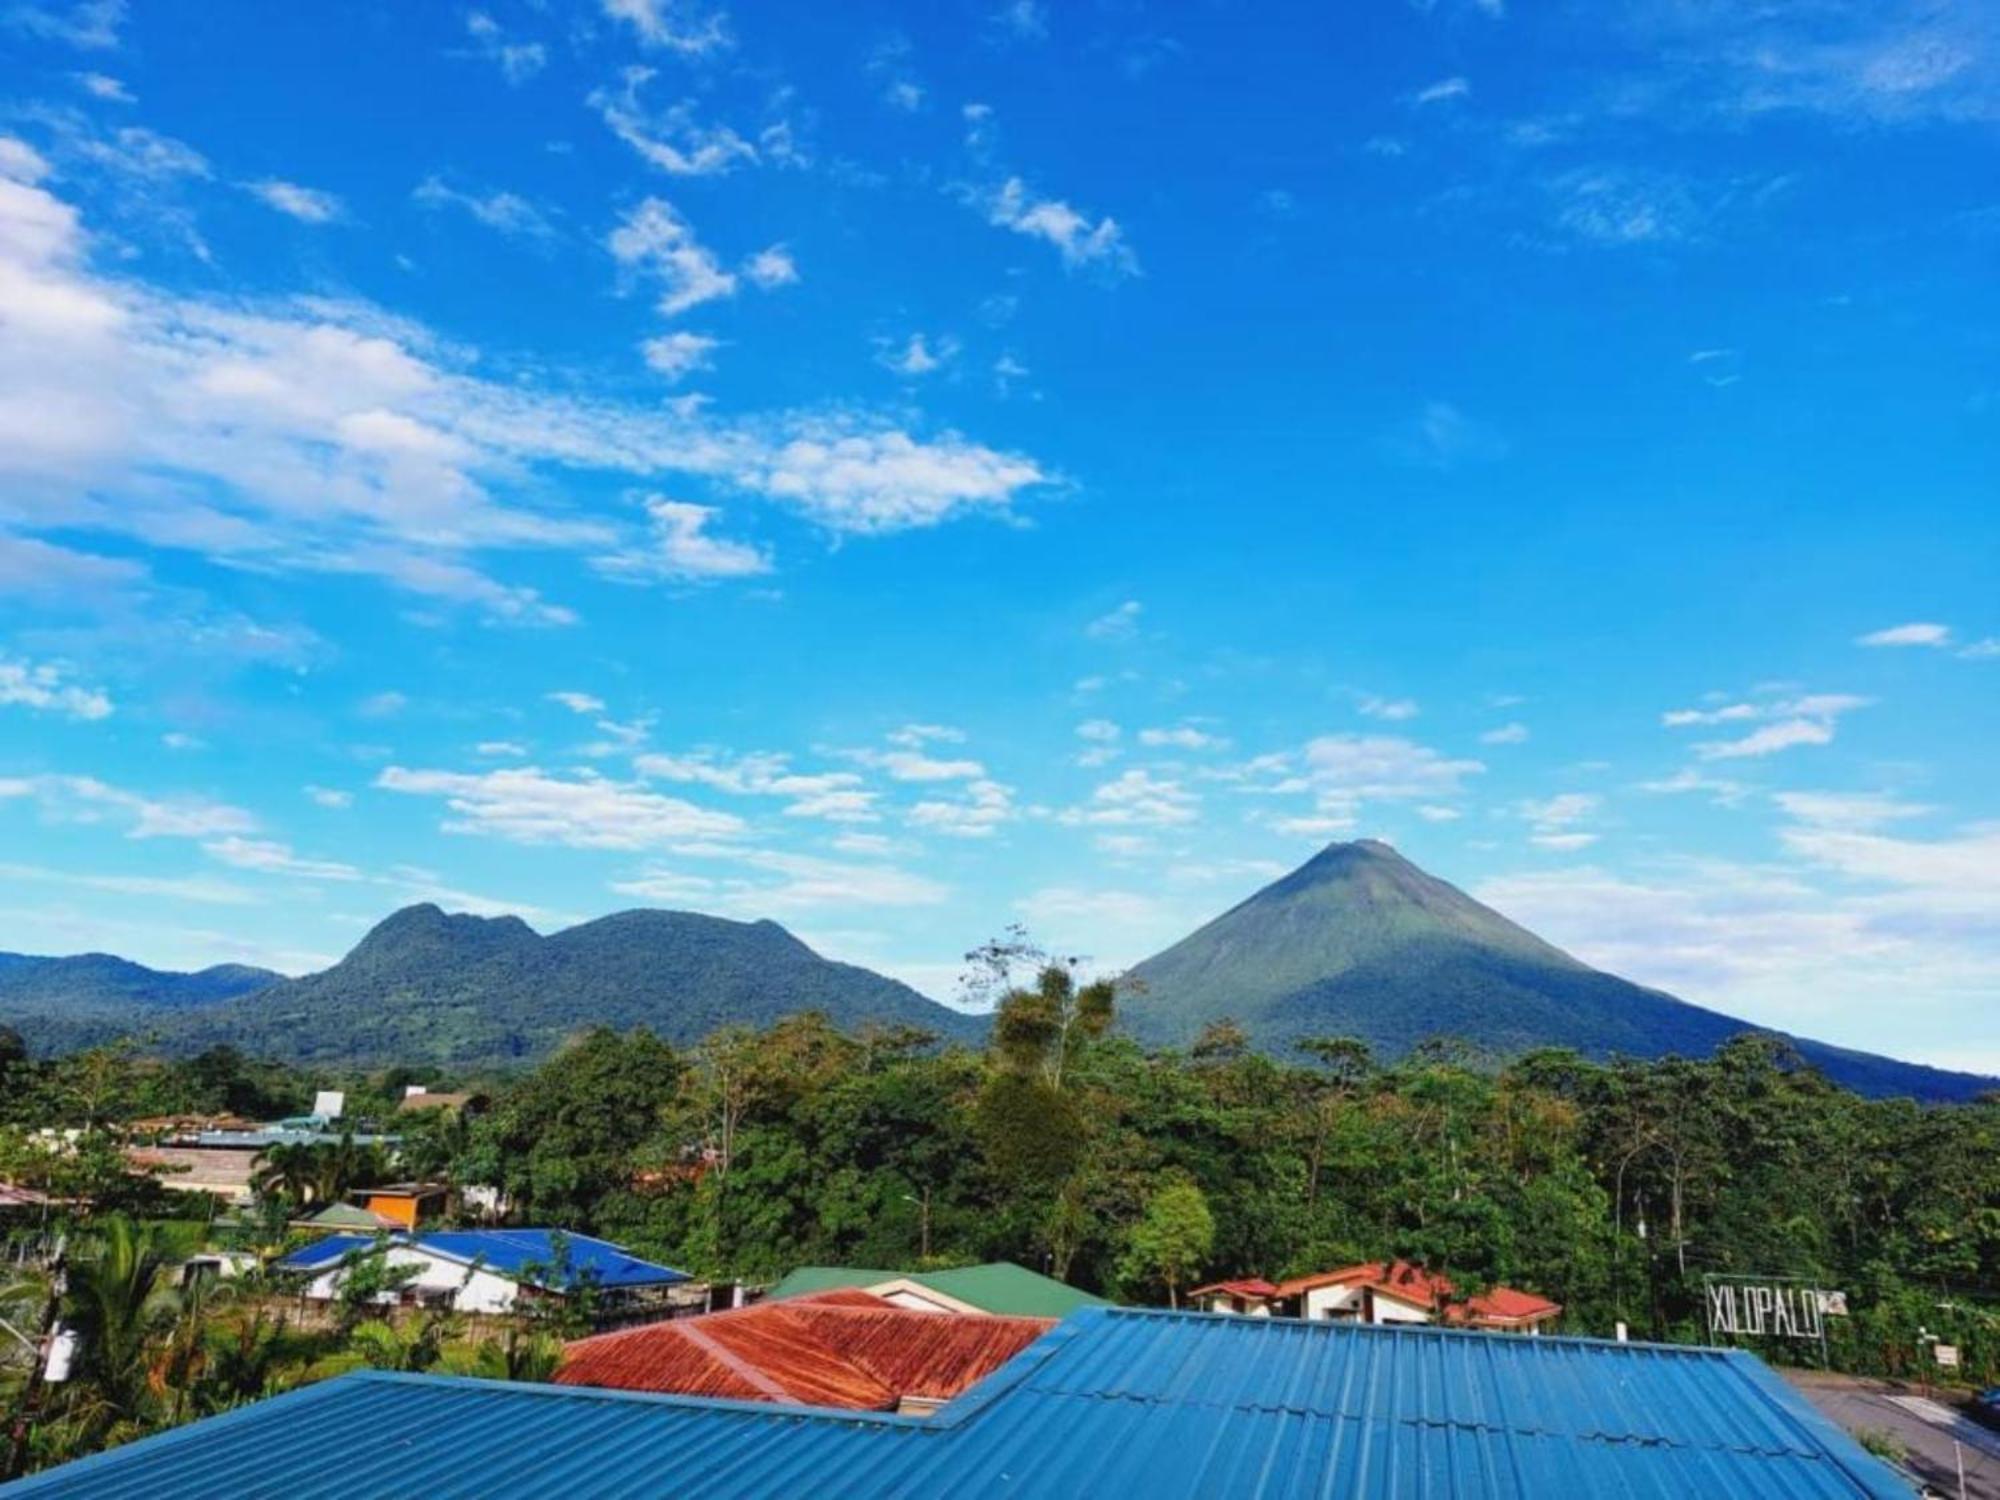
(1380, 1292)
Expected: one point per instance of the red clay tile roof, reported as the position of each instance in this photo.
(842, 1348)
(1249, 1286)
(1421, 1288)
(1504, 1304)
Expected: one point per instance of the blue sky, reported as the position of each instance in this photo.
(907, 469)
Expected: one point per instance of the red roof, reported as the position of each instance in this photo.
(842, 1348)
(1251, 1286)
(1504, 1304)
(1428, 1289)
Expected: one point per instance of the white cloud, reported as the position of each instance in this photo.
(1917, 633)
(89, 24)
(307, 205)
(832, 796)
(1506, 734)
(517, 61)
(911, 736)
(45, 687)
(770, 267)
(326, 796)
(985, 805)
(513, 749)
(864, 482)
(1620, 208)
(321, 436)
(1023, 20)
(914, 765)
(102, 86)
(1848, 810)
(1443, 90)
(1182, 737)
(1136, 798)
(86, 800)
(1786, 721)
(1553, 820)
(172, 887)
(268, 857)
(1076, 239)
(655, 238)
(1987, 649)
(1103, 731)
(672, 139)
(677, 355)
(1120, 624)
(682, 547)
(1395, 710)
(683, 26)
(802, 882)
(527, 805)
(577, 703)
(508, 213)
(919, 357)
(1432, 813)
(1722, 792)
(1368, 768)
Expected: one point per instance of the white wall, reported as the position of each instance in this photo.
(471, 1290)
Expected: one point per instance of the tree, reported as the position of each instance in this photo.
(1172, 1240)
(112, 1305)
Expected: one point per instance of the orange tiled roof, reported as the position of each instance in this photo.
(1427, 1289)
(842, 1348)
(1249, 1286)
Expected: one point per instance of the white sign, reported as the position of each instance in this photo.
(328, 1103)
(1947, 1355)
(1771, 1310)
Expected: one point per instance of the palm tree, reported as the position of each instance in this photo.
(289, 1170)
(112, 1305)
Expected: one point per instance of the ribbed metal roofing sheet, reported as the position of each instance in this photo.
(842, 1348)
(1112, 1402)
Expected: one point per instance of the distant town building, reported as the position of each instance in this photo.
(1380, 1292)
(484, 1270)
(841, 1348)
(999, 1287)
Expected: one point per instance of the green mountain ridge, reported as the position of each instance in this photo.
(470, 992)
(1360, 942)
(1357, 941)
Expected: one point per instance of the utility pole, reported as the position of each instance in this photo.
(30, 1404)
(923, 1222)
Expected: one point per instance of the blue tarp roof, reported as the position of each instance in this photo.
(535, 1255)
(1113, 1402)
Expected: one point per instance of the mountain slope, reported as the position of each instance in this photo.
(61, 1003)
(1360, 942)
(471, 991)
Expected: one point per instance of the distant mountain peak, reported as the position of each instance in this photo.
(1360, 941)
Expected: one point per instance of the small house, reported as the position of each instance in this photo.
(1381, 1292)
(483, 1270)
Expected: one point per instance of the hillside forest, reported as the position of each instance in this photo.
(1612, 1188)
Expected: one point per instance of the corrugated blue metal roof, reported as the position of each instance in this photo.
(546, 1257)
(1112, 1402)
(322, 1253)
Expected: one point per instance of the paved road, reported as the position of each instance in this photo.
(1926, 1428)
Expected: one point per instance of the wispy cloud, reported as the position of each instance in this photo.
(46, 687)
(307, 205)
(1080, 242)
(517, 61)
(684, 26)
(683, 547)
(1917, 633)
(509, 213)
